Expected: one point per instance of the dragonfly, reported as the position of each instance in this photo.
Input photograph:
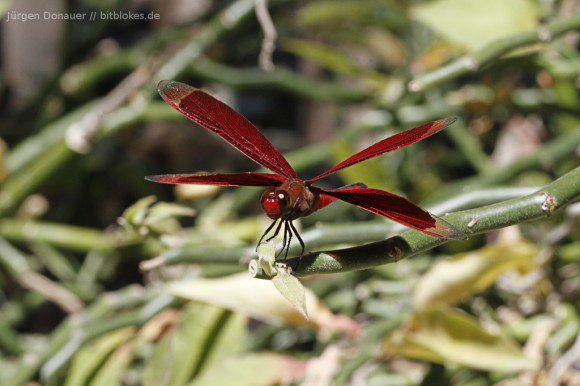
(289, 197)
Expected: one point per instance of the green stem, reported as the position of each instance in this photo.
(474, 221)
(280, 79)
(548, 156)
(66, 236)
(20, 185)
(106, 305)
(491, 51)
(51, 158)
(469, 147)
(16, 263)
(332, 234)
(97, 327)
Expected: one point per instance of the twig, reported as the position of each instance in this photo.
(18, 266)
(278, 79)
(469, 147)
(10, 342)
(564, 363)
(59, 295)
(91, 329)
(540, 204)
(475, 61)
(548, 156)
(96, 314)
(329, 234)
(18, 185)
(80, 135)
(269, 41)
(66, 236)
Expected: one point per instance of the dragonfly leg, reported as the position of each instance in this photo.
(286, 231)
(275, 232)
(266, 232)
(299, 238)
(289, 238)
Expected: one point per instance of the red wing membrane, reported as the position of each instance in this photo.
(394, 142)
(216, 116)
(396, 208)
(234, 179)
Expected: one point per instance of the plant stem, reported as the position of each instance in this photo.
(66, 236)
(491, 51)
(280, 79)
(329, 234)
(108, 304)
(469, 147)
(474, 221)
(547, 156)
(17, 265)
(51, 158)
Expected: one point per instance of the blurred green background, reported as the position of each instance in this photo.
(107, 279)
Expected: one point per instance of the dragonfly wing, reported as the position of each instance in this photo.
(233, 179)
(224, 121)
(394, 142)
(396, 208)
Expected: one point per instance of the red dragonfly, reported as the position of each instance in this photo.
(288, 196)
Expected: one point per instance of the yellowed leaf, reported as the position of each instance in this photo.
(448, 335)
(451, 280)
(259, 299)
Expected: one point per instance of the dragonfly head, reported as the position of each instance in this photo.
(275, 203)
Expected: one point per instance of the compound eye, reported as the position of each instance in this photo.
(270, 204)
(283, 200)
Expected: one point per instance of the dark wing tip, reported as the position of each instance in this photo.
(151, 178)
(449, 121)
(173, 91)
(158, 178)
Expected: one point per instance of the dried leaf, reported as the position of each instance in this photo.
(451, 280)
(259, 299)
(448, 335)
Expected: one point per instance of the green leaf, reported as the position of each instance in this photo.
(165, 210)
(448, 335)
(472, 23)
(451, 280)
(291, 288)
(90, 357)
(252, 370)
(162, 217)
(204, 334)
(136, 213)
(255, 298)
(323, 55)
(267, 257)
(113, 370)
(330, 13)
